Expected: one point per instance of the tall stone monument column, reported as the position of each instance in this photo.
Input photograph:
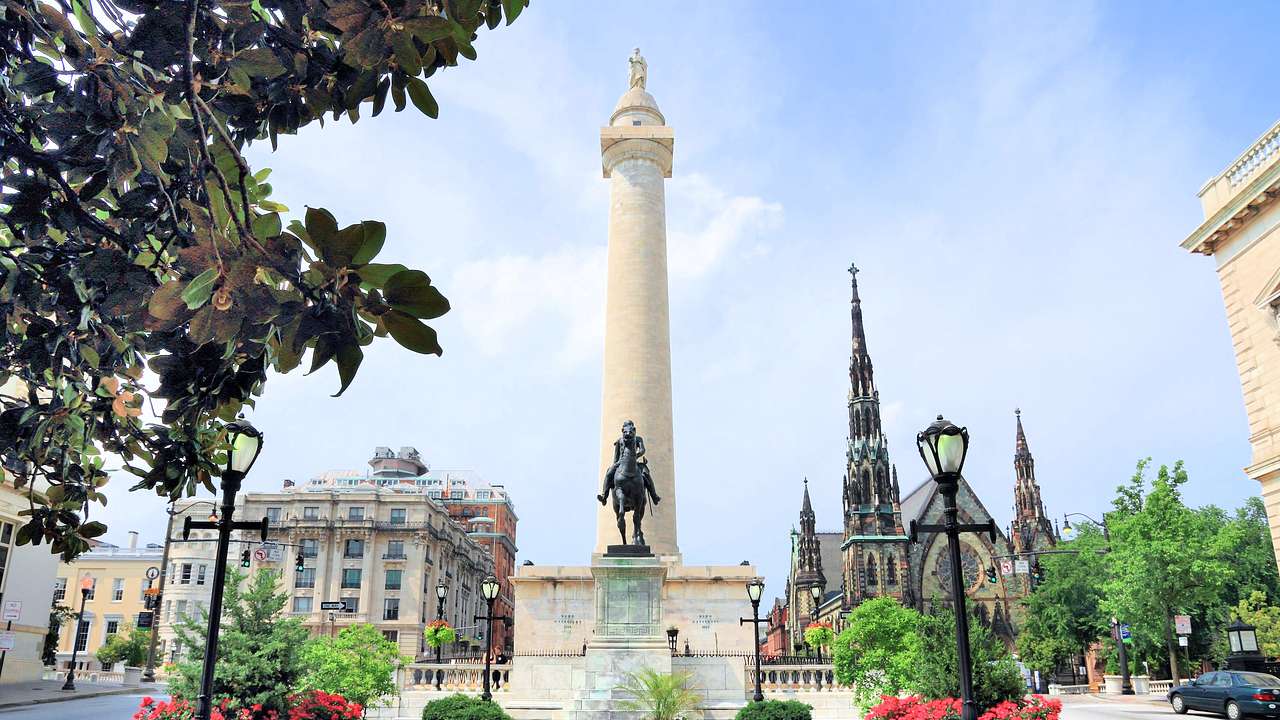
(636, 156)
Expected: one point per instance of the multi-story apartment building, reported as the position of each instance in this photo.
(186, 582)
(377, 543)
(114, 603)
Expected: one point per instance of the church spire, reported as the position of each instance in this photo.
(1031, 527)
(809, 556)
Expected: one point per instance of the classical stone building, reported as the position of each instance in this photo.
(1241, 232)
(119, 579)
(378, 542)
(873, 557)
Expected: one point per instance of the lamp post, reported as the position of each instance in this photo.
(489, 590)
(245, 443)
(1117, 632)
(86, 587)
(816, 592)
(1069, 532)
(1244, 655)
(441, 591)
(755, 590)
(149, 673)
(943, 447)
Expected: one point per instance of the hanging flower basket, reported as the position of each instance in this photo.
(819, 634)
(439, 633)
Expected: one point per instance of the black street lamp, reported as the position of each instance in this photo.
(816, 592)
(489, 590)
(1117, 633)
(86, 587)
(755, 590)
(156, 600)
(441, 591)
(245, 443)
(943, 447)
(1244, 655)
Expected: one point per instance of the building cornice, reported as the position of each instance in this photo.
(1259, 192)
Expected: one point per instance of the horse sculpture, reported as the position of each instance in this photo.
(628, 482)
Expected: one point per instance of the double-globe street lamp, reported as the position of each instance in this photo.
(943, 447)
(489, 590)
(755, 590)
(245, 443)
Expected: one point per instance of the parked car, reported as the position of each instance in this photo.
(1234, 693)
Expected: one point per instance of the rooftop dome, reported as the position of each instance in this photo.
(636, 102)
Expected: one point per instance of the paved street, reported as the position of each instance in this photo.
(107, 707)
(1086, 708)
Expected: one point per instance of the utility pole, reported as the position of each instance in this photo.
(149, 674)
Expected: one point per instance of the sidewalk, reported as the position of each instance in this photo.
(46, 691)
(1125, 699)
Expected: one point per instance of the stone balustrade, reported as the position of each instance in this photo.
(454, 677)
(1255, 158)
(800, 677)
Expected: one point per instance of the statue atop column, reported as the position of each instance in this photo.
(639, 70)
(628, 482)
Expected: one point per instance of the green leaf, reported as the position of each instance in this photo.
(345, 245)
(321, 229)
(349, 357)
(411, 291)
(258, 62)
(199, 290)
(266, 226)
(406, 54)
(411, 333)
(377, 274)
(92, 529)
(512, 8)
(429, 29)
(375, 234)
(420, 94)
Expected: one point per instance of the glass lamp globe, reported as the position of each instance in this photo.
(943, 447)
(489, 588)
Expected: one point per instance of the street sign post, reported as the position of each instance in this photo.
(8, 640)
(1125, 633)
(1182, 641)
(144, 619)
(153, 573)
(1006, 567)
(333, 605)
(1182, 624)
(1023, 567)
(12, 610)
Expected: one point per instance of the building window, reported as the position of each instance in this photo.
(395, 549)
(93, 590)
(351, 577)
(302, 604)
(180, 607)
(871, 571)
(393, 580)
(398, 516)
(273, 515)
(82, 635)
(351, 604)
(113, 627)
(59, 589)
(117, 589)
(392, 635)
(891, 571)
(391, 609)
(482, 494)
(310, 547)
(173, 573)
(310, 513)
(456, 495)
(186, 574)
(355, 513)
(305, 579)
(353, 549)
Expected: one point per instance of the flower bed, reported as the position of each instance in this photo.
(311, 705)
(1032, 707)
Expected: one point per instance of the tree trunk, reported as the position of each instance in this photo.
(1172, 646)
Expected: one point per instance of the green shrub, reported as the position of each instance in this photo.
(463, 707)
(775, 710)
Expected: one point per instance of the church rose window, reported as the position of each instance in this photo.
(968, 560)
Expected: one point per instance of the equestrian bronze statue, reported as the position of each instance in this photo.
(627, 481)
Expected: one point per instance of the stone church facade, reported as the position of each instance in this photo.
(872, 555)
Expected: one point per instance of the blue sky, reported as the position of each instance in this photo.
(1013, 179)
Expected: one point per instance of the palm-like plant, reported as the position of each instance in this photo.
(661, 696)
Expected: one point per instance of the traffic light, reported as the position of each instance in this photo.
(1037, 572)
(991, 574)
(245, 558)
(297, 563)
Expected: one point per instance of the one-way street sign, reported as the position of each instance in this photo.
(333, 605)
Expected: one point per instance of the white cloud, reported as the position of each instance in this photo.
(723, 224)
(554, 301)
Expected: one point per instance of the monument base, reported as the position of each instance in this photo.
(628, 551)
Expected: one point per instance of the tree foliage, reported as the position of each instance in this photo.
(1265, 619)
(259, 652)
(135, 236)
(995, 676)
(1063, 614)
(775, 710)
(128, 646)
(463, 707)
(879, 650)
(660, 696)
(359, 664)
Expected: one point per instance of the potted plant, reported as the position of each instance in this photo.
(439, 633)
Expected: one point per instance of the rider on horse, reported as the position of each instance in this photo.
(628, 432)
